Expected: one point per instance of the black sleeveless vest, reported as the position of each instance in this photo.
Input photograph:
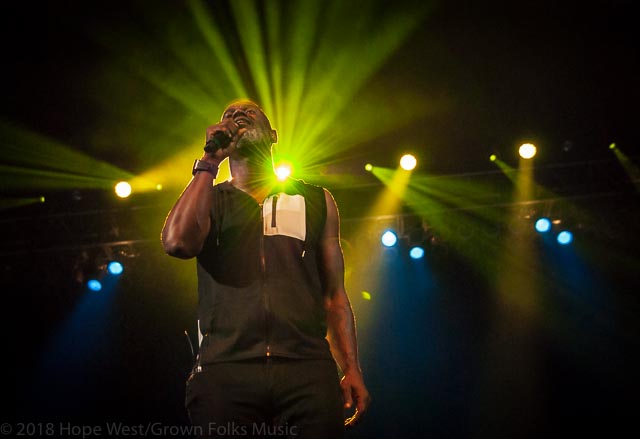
(259, 283)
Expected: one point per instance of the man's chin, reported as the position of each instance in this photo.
(252, 136)
(246, 148)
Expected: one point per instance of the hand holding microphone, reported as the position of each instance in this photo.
(219, 140)
(223, 137)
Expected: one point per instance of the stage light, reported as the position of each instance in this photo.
(543, 225)
(42, 199)
(115, 268)
(366, 295)
(493, 157)
(389, 238)
(612, 146)
(283, 171)
(527, 150)
(123, 189)
(158, 187)
(368, 167)
(565, 237)
(94, 285)
(408, 162)
(416, 252)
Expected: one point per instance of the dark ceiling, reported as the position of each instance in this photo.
(563, 74)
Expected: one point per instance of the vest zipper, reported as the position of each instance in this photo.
(274, 204)
(263, 268)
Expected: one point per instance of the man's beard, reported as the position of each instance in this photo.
(253, 144)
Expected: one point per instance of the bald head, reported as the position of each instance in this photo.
(247, 114)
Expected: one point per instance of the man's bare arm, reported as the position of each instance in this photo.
(340, 320)
(188, 223)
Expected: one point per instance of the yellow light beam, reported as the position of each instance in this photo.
(512, 347)
(395, 181)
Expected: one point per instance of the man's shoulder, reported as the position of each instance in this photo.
(305, 185)
(224, 186)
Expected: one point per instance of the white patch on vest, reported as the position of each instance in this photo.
(290, 216)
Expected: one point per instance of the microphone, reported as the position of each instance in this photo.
(219, 140)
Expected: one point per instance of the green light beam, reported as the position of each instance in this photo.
(49, 163)
(10, 203)
(246, 16)
(219, 48)
(338, 76)
(307, 61)
(304, 33)
(630, 168)
(274, 36)
(170, 77)
(15, 177)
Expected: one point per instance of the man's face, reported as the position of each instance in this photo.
(259, 135)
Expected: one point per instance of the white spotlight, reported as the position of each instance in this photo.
(408, 162)
(123, 189)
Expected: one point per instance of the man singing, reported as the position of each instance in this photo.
(273, 311)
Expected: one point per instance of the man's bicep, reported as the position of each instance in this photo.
(332, 223)
(332, 258)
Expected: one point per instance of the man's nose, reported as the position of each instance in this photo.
(242, 113)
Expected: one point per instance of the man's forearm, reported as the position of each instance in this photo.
(342, 333)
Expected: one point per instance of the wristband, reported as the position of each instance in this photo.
(201, 165)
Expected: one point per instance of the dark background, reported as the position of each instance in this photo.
(441, 356)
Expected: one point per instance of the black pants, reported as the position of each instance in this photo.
(267, 397)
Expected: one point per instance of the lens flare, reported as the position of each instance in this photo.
(283, 171)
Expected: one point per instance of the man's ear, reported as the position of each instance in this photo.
(274, 136)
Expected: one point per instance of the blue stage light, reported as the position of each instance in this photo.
(416, 252)
(94, 285)
(115, 268)
(543, 225)
(565, 237)
(389, 238)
